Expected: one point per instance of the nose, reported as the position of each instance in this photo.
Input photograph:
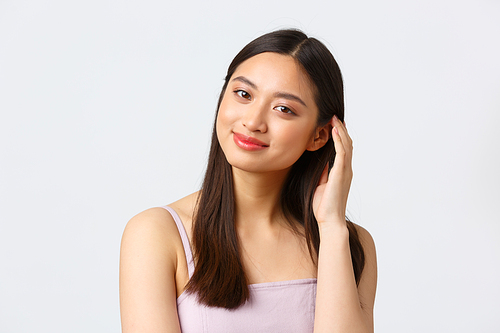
(254, 118)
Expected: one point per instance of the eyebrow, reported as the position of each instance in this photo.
(279, 94)
(245, 80)
(290, 96)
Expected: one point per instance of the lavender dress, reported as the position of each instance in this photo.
(284, 306)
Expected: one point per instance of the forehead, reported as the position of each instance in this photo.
(277, 72)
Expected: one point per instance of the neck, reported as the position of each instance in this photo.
(256, 197)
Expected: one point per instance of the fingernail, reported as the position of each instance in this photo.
(336, 130)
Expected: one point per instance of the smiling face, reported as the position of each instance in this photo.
(268, 116)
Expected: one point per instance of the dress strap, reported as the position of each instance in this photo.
(185, 240)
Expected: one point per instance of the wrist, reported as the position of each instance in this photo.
(337, 226)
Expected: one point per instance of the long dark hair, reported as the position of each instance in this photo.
(219, 279)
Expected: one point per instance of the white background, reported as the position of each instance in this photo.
(106, 110)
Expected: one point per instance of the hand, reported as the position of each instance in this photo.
(330, 197)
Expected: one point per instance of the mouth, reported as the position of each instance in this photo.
(248, 143)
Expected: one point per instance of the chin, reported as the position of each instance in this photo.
(257, 165)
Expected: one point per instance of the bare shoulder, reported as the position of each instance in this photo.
(154, 228)
(365, 238)
(186, 205)
(149, 254)
(368, 283)
(185, 208)
(156, 218)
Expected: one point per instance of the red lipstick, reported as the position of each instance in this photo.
(248, 143)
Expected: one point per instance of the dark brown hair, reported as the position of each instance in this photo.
(219, 279)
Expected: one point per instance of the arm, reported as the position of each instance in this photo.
(341, 306)
(147, 273)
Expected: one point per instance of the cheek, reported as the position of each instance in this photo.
(224, 121)
(224, 116)
(220, 126)
(297, 137)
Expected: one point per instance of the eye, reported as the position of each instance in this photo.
(242, 94)
(284, 109)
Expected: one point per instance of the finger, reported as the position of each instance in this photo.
(337, 141)
(342, 130)
(343, 156)
(344, 135)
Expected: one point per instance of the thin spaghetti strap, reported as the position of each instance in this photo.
(185, 240)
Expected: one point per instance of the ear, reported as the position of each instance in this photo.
(321, 136)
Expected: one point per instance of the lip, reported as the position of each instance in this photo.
(248, 143)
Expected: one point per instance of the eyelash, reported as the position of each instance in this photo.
(283, 109)
(288, 110)
(240, 93)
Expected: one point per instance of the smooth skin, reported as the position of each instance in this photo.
(153, 268)
(340, 305)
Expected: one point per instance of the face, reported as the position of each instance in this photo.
(267, 117)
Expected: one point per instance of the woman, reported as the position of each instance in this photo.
(264, 246)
